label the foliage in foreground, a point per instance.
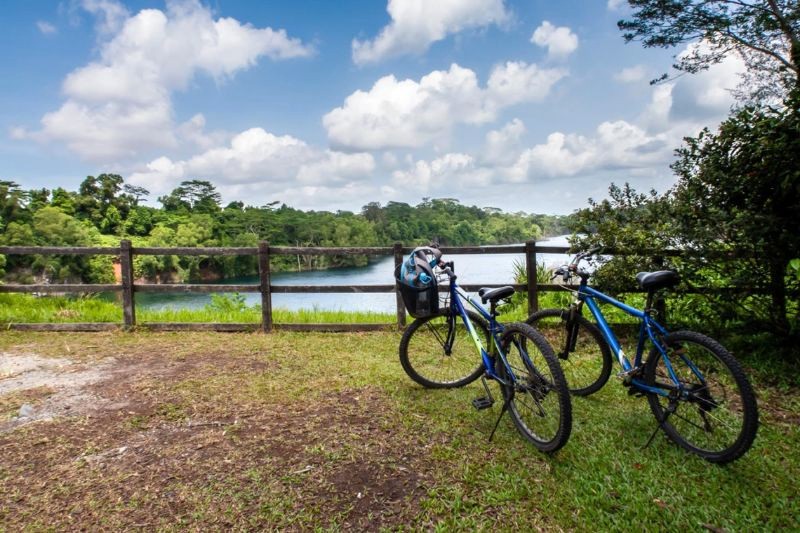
(734, 213)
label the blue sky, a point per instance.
(522, 105)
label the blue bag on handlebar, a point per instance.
(417, 281)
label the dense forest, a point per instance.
(105, 209)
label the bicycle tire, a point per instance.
(588, 366)
(423, 356)
(725, 406)
(539, 402)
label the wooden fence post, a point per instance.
(126, 272)
(401, 308)
(266, 295)
(530, 271)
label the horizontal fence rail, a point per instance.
(128, 287)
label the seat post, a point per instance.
(648, 306)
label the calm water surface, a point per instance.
(471, 269)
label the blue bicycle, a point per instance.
(697, 391)
(438, 350)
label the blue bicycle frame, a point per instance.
(649, 329)
(457, 294)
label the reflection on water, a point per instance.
(471, 269)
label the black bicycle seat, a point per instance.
(492, 295)
(657, 280)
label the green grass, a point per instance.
(18, 308)
(602, 480)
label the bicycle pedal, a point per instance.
(635, 392)
(482, 403)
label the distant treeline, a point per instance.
(105, 209)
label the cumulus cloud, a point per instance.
(635, 148)
(110, 15)
(408, 114)
(120, 105)
(442, 173)
(256, 156)
(502, 146)
(632, 74)
(46, 28)
(559, 41)
(416, 24)
(614, 5)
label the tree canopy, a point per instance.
(764, 33)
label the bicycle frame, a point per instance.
(649, 329)
(457, 296)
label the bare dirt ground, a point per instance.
(132, 437)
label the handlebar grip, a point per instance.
(450, 273)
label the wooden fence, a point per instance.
(129, 288)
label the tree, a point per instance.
(135, 193)
(734, 209)
(739, 190)
(764, 33)
(195, 195)
(12, 203)
(96, 195)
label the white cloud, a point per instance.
(416, 24)
(559, 41)
(632, 74)
(615, 145)
(614, 5)
(502, 146)
(120, 105)
(445, 172)
(407, 114)
(256, 156)
(110, 15)
(46, 28)
(637, 149)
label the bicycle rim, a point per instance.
(539, 406)
(718, 418)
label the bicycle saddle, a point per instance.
(492, 295)
(657, 280)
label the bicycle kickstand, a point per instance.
(671, 409)
(502, 412)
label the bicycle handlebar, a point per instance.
(566, 271)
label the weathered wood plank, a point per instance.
(215, 250)
(194, 287)
(530, 272)
(302, 289)
(199, 326)
(58, 250)
(512, 249)
(126, 271)
(334, 327)
(66, 326)
(327, 250)
(264, 286)
(399, 304)
(62, 288)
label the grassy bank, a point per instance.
(302, 431)
(16, 308)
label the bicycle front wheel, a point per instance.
(587, 362)
(713, 413)
(535, 388)
(438, 352)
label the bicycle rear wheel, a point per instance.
(717, 418)
(537, 395)
(427, 358)
(587, 365)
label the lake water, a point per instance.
(471, 269)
